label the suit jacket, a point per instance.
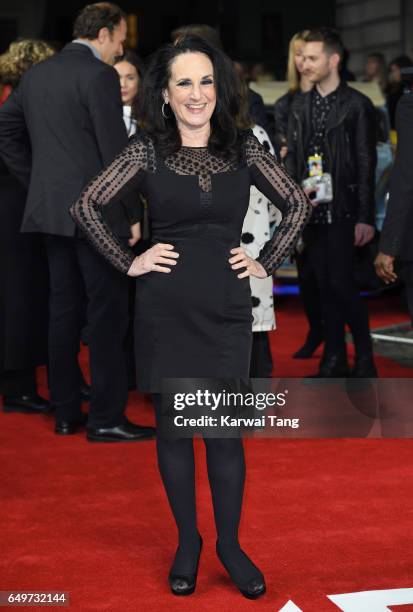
(60, 128)
(397, 233)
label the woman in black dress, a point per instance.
(193, 299)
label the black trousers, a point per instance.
(331, 255)
(310, 295)
(18, 382)
(84, 287)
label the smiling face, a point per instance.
(129, 81)
(191, 90)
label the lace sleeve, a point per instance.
(274, 182)
(124, 173)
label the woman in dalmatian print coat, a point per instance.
(260, 222)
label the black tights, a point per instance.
(226, 473)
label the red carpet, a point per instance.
(321, 517)
(292, 328)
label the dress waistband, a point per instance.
(211, 231)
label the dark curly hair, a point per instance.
(225, 138)
(94, 17)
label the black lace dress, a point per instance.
(194, 322)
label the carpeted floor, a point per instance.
(321, 516)
(292, 328)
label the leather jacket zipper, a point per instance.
(328, 149)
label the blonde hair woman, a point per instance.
(20, 56)
(295, 60)
(298, 86)
(298, 83)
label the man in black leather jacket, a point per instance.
(336, 123)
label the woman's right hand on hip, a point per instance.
(154, 259)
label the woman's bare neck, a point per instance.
(195, 137)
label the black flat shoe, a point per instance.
(185, 584)
(68, 428)
(125, 432)
(27, 404)
(253, 588)
(138, 428)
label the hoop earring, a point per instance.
(163, 111)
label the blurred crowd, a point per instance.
(306, 106)
(387, 74)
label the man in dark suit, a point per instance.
(58, 130)
(397, 235)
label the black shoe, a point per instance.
(185, 584)
(28, 404)
(253, 588)
(334, 366)
(125, 432)
(85, 392)
(67, 428)
(138, 428)
(309, 347)
(364, 367)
